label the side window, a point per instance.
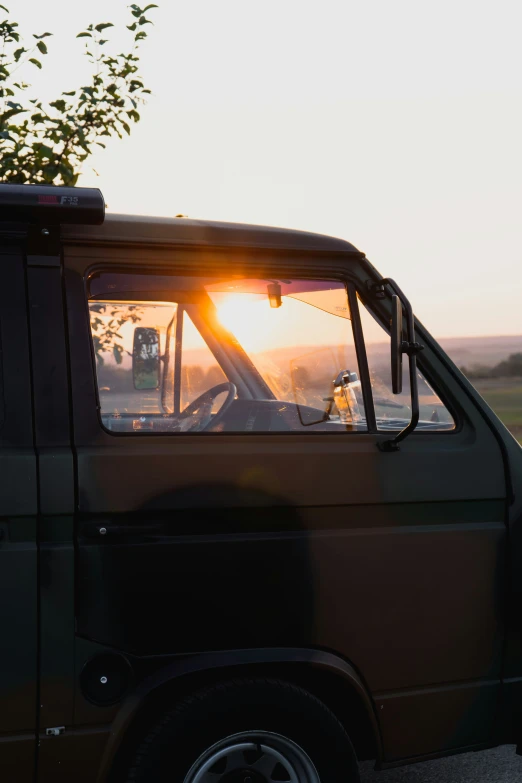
(113, 325)
(231, 354)
(393, 411)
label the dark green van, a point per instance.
(240, 542)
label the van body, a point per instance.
(202, 484)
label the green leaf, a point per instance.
(44, 35)
(133, 114)
(35, 62)
(42, 47)
(4, 9)
(60, 105)
(73, 92)
(103, 41)
(144, 20)
(66, 171)
(103, 26)
(126, 126)
(84, 35)
(18, 53)
(45, 152)
(132, 26)
(139, 36)
(147, 7)
(8, 114)
(13, 105)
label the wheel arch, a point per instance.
(327, 676)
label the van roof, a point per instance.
(139, 229)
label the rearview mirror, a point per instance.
(396, 345)
(146, 358)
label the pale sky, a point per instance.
(395, 125)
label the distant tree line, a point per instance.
(509, 368)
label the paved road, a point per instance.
(500, 765)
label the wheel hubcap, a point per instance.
(243, 776)
(253, 757)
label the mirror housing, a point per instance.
(146, 358)
(396, 345)
(274, 294)
(409, 346)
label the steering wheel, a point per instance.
(201, 408)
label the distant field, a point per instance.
(504, 395)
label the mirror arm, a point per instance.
(411, 348)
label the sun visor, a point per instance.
(333, 301)
(326, 295)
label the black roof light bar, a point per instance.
(51, 204)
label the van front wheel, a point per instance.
(248, 731)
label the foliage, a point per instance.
(106, 322)
(509, 368)
(48, 143)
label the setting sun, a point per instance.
(259, 327)
(250, 319)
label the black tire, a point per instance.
(207, 717)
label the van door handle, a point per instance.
(101, 530)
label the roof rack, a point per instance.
(51, 204)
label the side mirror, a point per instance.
(146, 358)
(396, 345)
(409, 346)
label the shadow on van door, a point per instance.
(205, 567)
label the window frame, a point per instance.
(354, 290)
